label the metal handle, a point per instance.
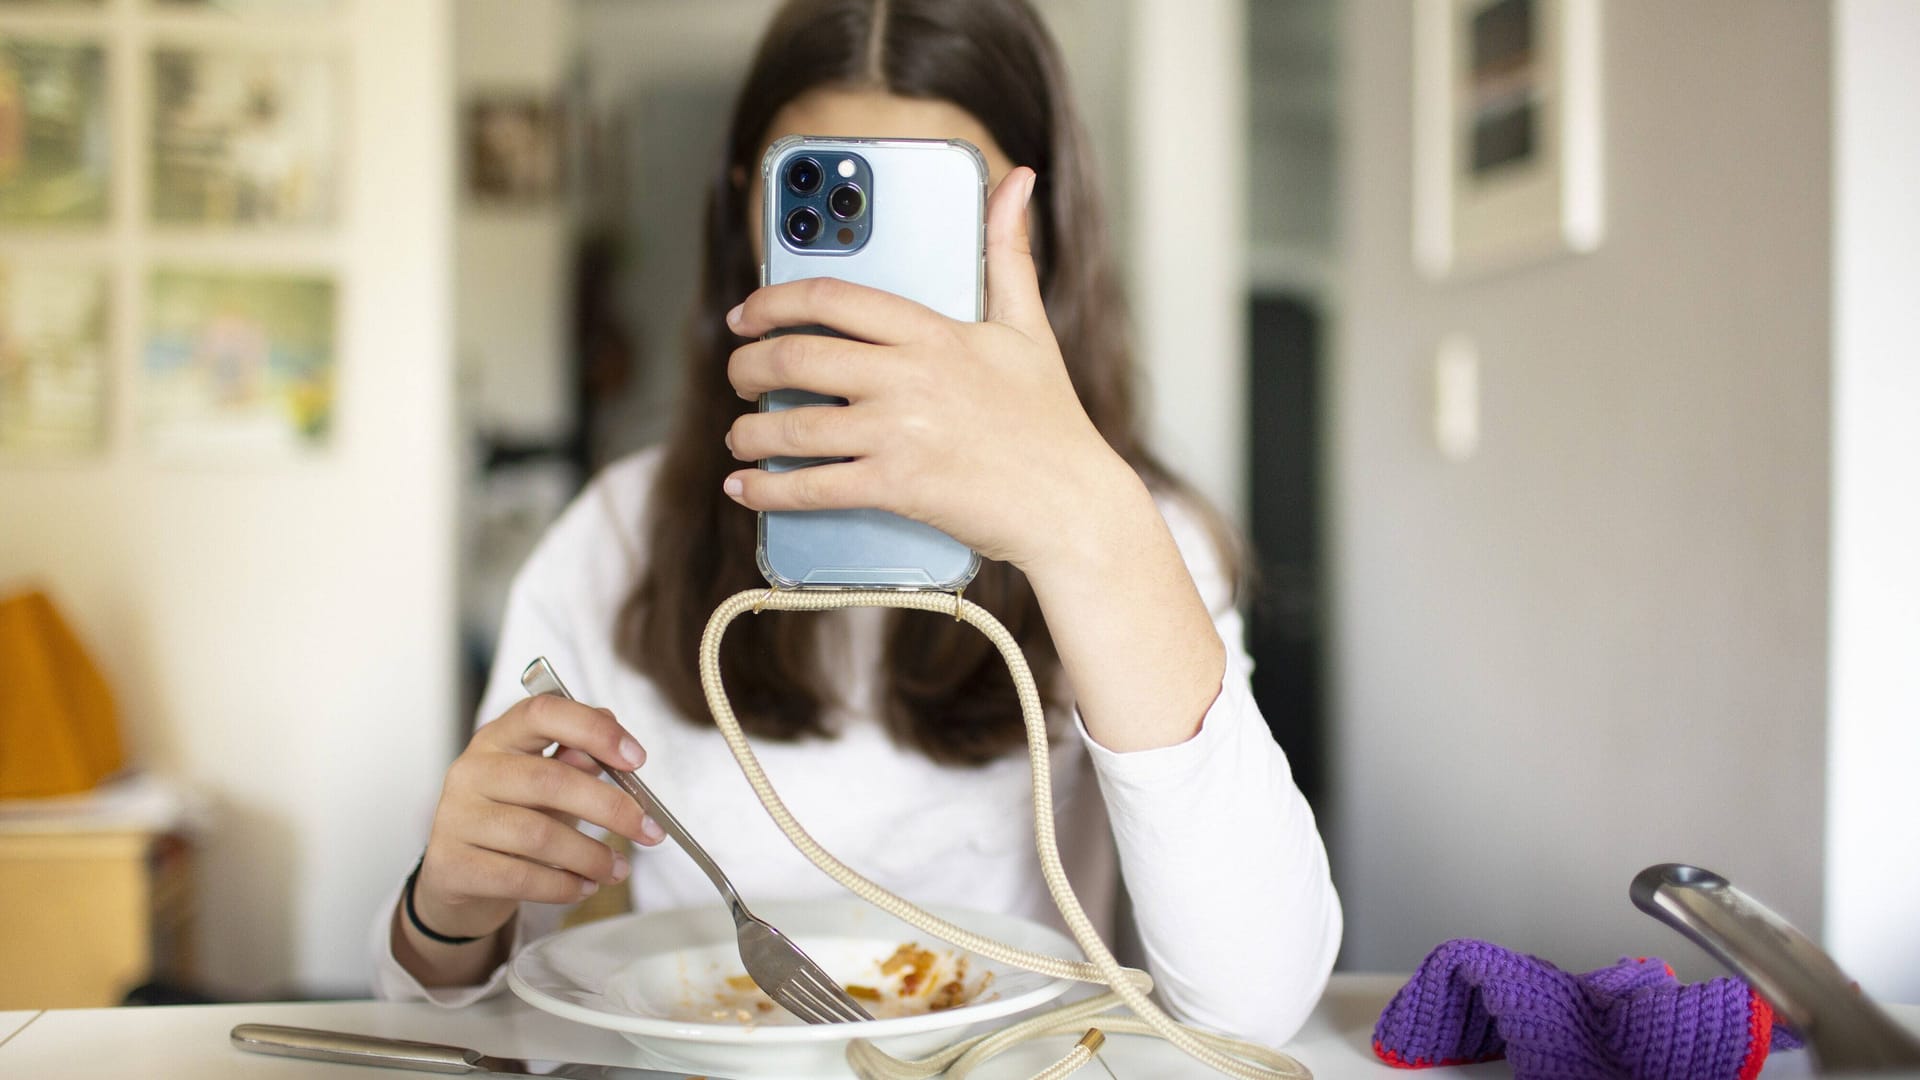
(1843, 1028)
(347, 1048)
(540, 678)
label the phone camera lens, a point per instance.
(846, 201)
(803, 226)
(803, 175)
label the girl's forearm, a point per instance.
(1136, 641)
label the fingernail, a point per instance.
(1027, 196)
(588, 888)
(728, 439)
(733, 317)
(620, 868)
(651, 829)
(734, 487)
(630, 753)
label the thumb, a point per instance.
(1013, 286)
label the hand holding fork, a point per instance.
(773, 961)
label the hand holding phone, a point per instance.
(971, 426)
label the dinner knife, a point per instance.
(351, 1049)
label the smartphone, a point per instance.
(907, 216)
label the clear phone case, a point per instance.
(921, 235)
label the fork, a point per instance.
(773, 961)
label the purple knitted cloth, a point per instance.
(1474, 1001)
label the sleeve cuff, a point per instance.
(1172, 766)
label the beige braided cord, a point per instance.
(1128, 986)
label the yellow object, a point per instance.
(58, 730)
(87, 915)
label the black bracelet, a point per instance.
(406, 901)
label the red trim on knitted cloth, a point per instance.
(1759, 1035)
(1663, 963)
(1393, 1058)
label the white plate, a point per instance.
(640, 975)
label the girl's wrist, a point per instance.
(1103, 516)
(472, 919)
(436, 964)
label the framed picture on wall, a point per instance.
(237, 361)
(54, 134)
(1507, 133)
(513, 149)
(244, 137)
(53, 358)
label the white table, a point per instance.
(13, 1020)
(191, 1041)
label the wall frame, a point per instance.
(1507, 133)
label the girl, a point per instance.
(895, 736)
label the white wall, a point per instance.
(1601, 642)
(280, 633)
(1186, 236)
(1873, 755)
(512, 262)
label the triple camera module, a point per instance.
(824, 203)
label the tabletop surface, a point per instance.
(13, 1020)
(191, 1041)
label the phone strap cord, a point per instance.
(1126, 986)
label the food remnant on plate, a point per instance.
(920, 976)
(913, 964)
(954, 993)
(911, 982)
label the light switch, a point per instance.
(1456, 397)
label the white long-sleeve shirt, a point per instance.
(1219, 852)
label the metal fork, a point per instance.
(773, 961)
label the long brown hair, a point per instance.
(946, 690)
